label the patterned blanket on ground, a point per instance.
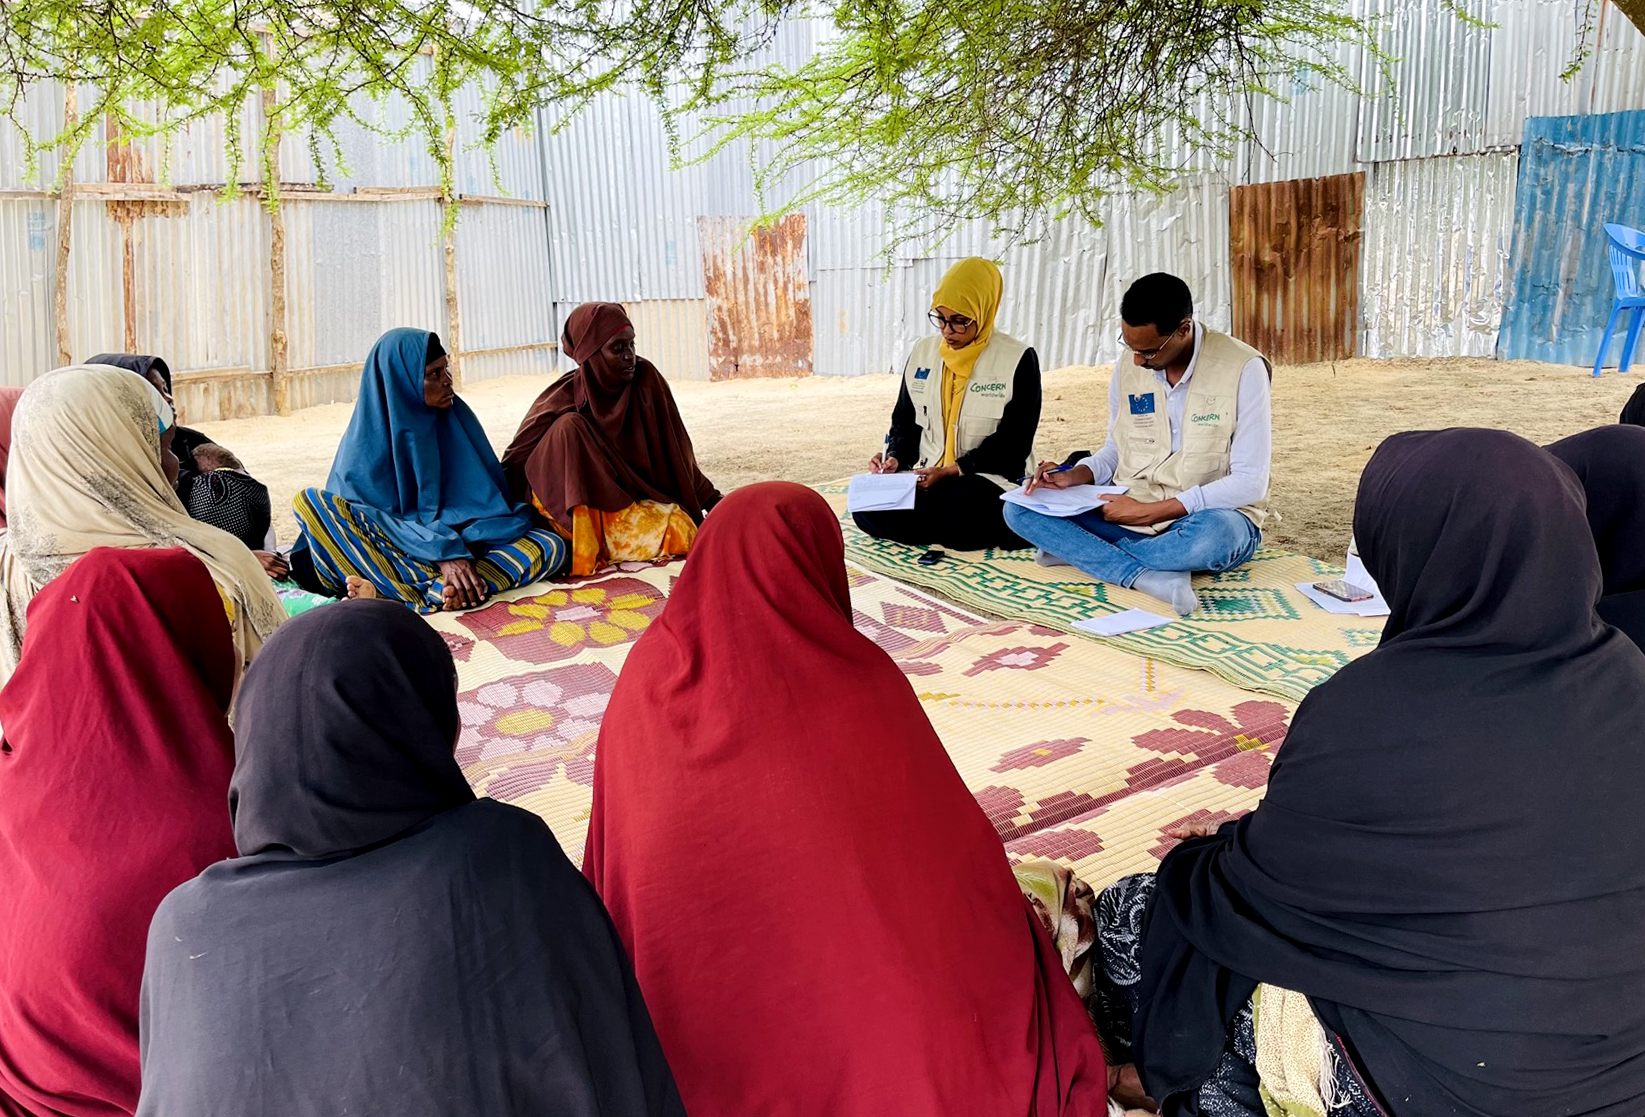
(1076, 750)
(1252, 627)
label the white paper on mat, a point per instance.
(1062, 502)
(1375, 607)
(881, 492)
(1118, 624)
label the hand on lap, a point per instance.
(929, 476)
(273, 565)
(464, 589)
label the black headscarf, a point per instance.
(386, 943)
(1633, 412)
(1447, 861)
(334, 756)
(1610, 463)
(139, 363)
(185, 440)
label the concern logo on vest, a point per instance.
(1208, 417)
(988, 388)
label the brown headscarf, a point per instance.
(626, 442)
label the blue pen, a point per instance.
(1049, 472)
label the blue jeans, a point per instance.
(1216, 539)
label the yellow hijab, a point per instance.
(971, 287)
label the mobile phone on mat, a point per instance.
(1342, 590)
(933, 556)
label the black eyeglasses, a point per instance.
(958, 322)
(1150, 354)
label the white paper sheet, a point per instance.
(1118, 624)
(1062, 502)
(881, 492)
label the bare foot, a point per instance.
(453, 600)
(359, 589)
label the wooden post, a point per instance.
(65, 231)
(454, 318)
(278, 354)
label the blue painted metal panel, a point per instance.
(1575, 174)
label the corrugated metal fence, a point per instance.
(1577, 173)
(255, 307)
(1414, 260)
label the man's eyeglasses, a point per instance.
(1150, 354)
(957, 322)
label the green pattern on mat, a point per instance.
(1252, 628)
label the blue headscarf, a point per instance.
(427, 477)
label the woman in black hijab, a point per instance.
(212, 484)
(384, 943)
(1633, 412)
(1446, 864)
(1610, 463)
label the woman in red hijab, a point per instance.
(603, 455)
(821, 917)
(114, 775)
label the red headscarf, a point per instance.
(114, 779)
(8, 404)
(821, 917)
(627, 442)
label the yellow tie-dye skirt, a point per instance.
(645, 531)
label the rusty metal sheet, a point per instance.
(759, 298)
(1294, 251)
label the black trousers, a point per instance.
(963, 513)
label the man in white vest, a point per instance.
(1190, 436)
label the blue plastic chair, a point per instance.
(1627, 252)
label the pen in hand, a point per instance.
(1033, 482)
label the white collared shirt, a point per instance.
(1249, 454)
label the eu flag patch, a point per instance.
(1143, 404)
(922, 373)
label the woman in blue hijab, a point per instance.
(416, 508)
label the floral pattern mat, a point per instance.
(1252, 627)
(1076, 750)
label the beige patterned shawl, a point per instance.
(85, 472)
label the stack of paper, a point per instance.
(1062, 502)
(881, 492)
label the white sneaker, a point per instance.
(1046, 558)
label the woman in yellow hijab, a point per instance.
(964, 421)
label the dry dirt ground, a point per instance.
(1327, 420)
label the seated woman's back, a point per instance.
(114, 778)
(823, 919)
(1444, 862)
(385, 942)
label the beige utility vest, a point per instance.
(982, 406)
(1143, 427)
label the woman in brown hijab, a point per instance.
(603, 455)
